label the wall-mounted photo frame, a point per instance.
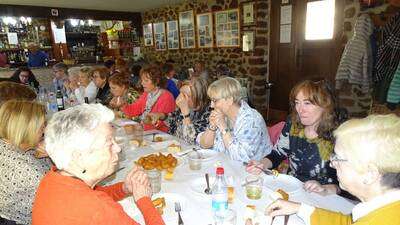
(248, 41)
(186, 29)
(248, 14)
(159, 36)
(148, 34)
(227, 27)
(172, 35)
(204, 30)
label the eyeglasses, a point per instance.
(335, 158)
(213, 100)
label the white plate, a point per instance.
(285, 182)
(180, 160)
(130, 208)
(123, 122)
(165, 137)
(206, 154)
(199, 184)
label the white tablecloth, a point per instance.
(197, 208)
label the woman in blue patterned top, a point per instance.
(235, 128)
(306, 139)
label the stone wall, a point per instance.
(350, 96)
(252, 65)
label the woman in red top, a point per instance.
(155, 103)
(80, 142)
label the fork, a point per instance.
(266, 171)
(178, 210)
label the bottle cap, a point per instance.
(220, 171)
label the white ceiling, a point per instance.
(110, 5)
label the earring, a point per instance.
(84, 171)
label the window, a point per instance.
(320, 20)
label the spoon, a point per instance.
(208, 189)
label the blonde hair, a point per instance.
(21, 121)
(227, 87)
(87, 70)
(374, 139)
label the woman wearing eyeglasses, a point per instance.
(306, 139)
(234, 128)
(367, 155)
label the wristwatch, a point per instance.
(224, 131)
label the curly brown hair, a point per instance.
(153, 72)
(319, 93)
(103, 72)
(120, 79)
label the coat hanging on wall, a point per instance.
(356, 63)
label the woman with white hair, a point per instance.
(367, 156)
(80, 142)
(235, 128)
(87, 88)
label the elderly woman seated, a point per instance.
(80, 142)
(153, 106)
(22, 123)
(193, 110)
(87, 88)
(367, 155)
(235, 128)
(121, 92)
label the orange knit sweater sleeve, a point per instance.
(115, 191)
(325, 217)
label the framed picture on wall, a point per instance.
(172, 34)
(186, 29)
(148, 34)
(227, 28)
(159, 36)
(248, 13)
(205, 30)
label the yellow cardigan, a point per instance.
(386, 215)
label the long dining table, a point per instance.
(187, 185)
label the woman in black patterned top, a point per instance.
(193, 110)
(306, 139)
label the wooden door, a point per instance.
(300, 58)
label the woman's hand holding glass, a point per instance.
(117, 102)
(137, 184)
(254, 167)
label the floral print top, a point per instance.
(250, 139)
(308, 158)
(188, 132)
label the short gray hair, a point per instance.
(74, 71)
(72, 131)
(227, 87)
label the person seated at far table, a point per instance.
(235, 128)
(86, 88)
(153, 106)
(24, 75)
(121, 92)
(22, 125)
(37, 57)
(306, 139)
(193, 110)
(172, 85)
(100, 79)
(81, 144)
(366, 157)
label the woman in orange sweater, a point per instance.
(81, 144)
(367, 156)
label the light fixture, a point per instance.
(90, 22)
(29, 20)
(81, 22)
(74, 22)
(22, 19)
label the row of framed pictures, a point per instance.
(182, 34)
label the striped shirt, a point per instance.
(356, 62)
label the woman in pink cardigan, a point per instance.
(155, 103)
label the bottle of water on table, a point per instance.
(219, 192)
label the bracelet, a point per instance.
(212, 128)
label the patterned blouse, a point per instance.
(308, 158)
(188, 132)
(20, 174)
(250, 139)
(130, 97)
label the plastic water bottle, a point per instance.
(219, 195)
(52, 104)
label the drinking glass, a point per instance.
(194, 161)
(254, 187)
(155, 180)
(225, 217)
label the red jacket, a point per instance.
(63, 200)
(165, 104)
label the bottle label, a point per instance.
(60, 102)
